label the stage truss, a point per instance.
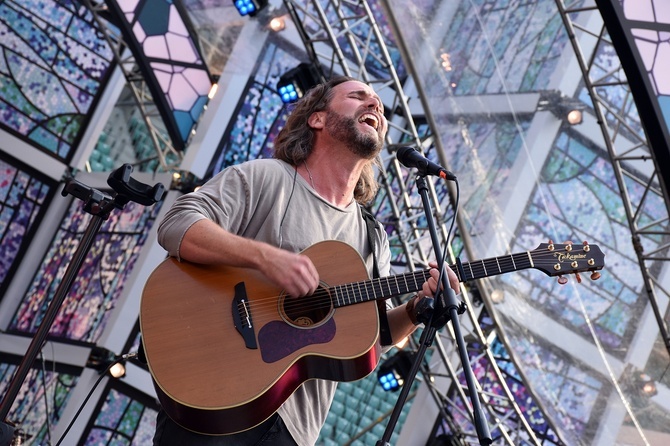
(345, 38)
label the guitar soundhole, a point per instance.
(308, 311)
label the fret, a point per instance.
(530, 258)
(498, 263)
(361, 293)
(340, 295)
(337, 297)
(513, 262)
(370, 287)
(484, 266)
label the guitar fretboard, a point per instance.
(385, 287)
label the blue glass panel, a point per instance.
(124, 417)
(101, 278)
(578, 185)
(54, 62)
(29, 409)
(23, 194)
(260, 115)
(498, 46)
(161, 38)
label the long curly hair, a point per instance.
(295, 141)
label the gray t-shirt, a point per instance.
(267, 200)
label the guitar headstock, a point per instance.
(560, 259)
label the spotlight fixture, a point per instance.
(645, 385)
(293, 84)
(185, 181)
(277, 24)
(569, 110)
(249, 7)
(105, 361)
(393, 371)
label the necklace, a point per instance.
(311, 180)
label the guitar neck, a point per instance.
(385, 287)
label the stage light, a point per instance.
(105, 361)
(277, 24)
(288, 93)
(118, 370)
(393, 372)
(646, 386)
(569, 110)
(185, 181)
(574, 117)
(249, 7)
(293, 84)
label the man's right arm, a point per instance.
(207, 242)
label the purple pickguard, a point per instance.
(277, 339)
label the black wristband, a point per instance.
(411, 312)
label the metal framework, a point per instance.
(343, 37)
(169, 158)
(632, 166)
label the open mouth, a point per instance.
(370, 120)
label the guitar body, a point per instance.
(210, 378)
(226, 348)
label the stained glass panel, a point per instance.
(649, 23)
(124, 417)
(260, 115)
(54, 62)
(23, 196)
(44, 392)
(523, 55)
(484, 373)
(161, 38)
(578, 184)
(101, 278)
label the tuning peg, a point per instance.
(595, 275)
(562, 280)
(550, 247)
(578, 277)
(587, 248)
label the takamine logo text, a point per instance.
(568, 257)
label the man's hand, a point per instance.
(430, 286)
(294, 273)
(421, 306)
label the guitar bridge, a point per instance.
(242, 316)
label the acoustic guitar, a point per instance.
(226, 348)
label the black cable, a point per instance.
(46, 399)
(90, 393)
(445, 250)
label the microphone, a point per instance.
(410, 157)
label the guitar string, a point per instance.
(322, 297)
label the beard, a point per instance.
(345, 129)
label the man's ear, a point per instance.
(317, 120)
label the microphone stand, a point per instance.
(444, 310)
(100, 206)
